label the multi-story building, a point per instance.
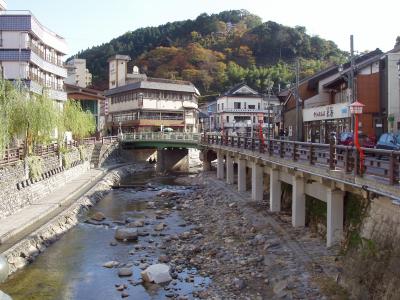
(324, 100)
(78, 74)
(137, 103)
(3, 5)
(32, 53)
(390, 89)
(241, 108)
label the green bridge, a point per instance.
(161, 140)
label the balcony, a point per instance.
(54, 91)
(54, 60)
(48, 66)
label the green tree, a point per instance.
(74, 119)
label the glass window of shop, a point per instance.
(320, 131)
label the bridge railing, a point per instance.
(381, 164)
(160, 136)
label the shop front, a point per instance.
(321, 121)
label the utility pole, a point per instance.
(351, 79)
(297, 99)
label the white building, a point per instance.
(32, 53)
(136, 102)
(242, 108)
(78, 74)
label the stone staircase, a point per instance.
(94, 161)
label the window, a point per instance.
(252, 107)
(218, 106)
(258, 106)
(254, 119)
(227, 119)
(222, 106)
(245, 104)
(236, 105)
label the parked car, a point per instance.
(389, 141)
(346, 138)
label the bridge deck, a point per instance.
(378, 171)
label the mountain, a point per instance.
(218, 50)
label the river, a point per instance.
(72, 268)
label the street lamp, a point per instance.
(356, 109)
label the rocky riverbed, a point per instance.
(214, 243)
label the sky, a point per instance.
(87, 23)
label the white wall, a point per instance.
(15, 40)
(15, 69)
(48, 37)
(229, 103)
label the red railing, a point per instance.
(379, 164)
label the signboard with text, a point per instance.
(326, 112)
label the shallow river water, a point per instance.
(72, 268)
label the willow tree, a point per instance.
(81, 123)
(10, 95)
(34, 118)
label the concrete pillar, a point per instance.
(206, 165)
(275, 191)
(242, 175)
(229, 170)
(257, 185)
(334, 216)
(172, 160)
(298, 202)
(220, 165)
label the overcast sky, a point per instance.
(86, 23)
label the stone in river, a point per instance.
(124, 272)
(110, 264)
(124, 295)
(98, 216)
(160, 227)
(157, 273)
(128, 234)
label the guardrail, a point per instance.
(159, 136)
(381, 164)
(12, 155)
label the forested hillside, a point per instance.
(216, 51)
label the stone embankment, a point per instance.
(26, 250)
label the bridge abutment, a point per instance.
(173, 160)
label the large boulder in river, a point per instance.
(157, 273)
(126, 234)
(4, 296)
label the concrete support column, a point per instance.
(275, 191)
(257, 184)
(206, 165)
(220, 165)
(242, 175)
(334, 216)
(298, 202)
(229, 170)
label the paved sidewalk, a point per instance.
(30, 218)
